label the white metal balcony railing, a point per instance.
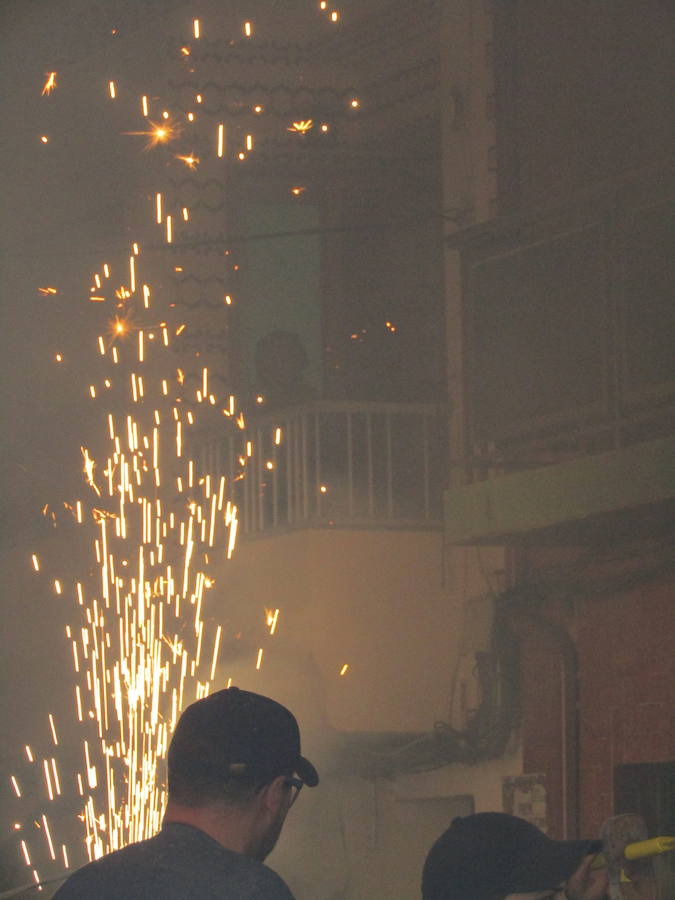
(335, 464)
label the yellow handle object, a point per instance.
(652, 847)
(640, 849)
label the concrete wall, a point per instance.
(371, 599)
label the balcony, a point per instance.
(331, 464)
(569, 374)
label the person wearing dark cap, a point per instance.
(495, 856)
(234, 770)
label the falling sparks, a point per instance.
(140, 643)
(344, 669)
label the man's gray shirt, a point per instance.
(179, 863)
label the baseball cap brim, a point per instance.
(307, 772)
(553, 864)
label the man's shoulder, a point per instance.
(177, 863)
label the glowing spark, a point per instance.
(257, 109)
(272, 619)
(89, 466)
(50, 83)
(248, 29)
(29, 754)
(48, 836)
(196, 28)
(144, 106)
(119, 326)
(259, 660)
(355, 103)
(249, 142)
(324, 127)
(344, 669)
(15, 785)
(112, 89)
(335, 16)
(36, 563)
(302, 126)
(191, 161)
(53, 730)
(58, 358)
(48, 290)
(159, 133)
(297, 190)
(216, 647)
(221, 141)
(158, 205)
(44, 139)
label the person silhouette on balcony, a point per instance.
(280, 364)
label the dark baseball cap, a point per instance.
(235, 733)
(488, 854)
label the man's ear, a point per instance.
(275, 793)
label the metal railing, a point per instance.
(335, 464)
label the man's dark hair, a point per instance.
(195, 791)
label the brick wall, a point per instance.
(626, 646)
(625, 640)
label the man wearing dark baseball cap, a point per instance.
(235, 769)
(495, 856)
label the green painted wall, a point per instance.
(281, 281)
